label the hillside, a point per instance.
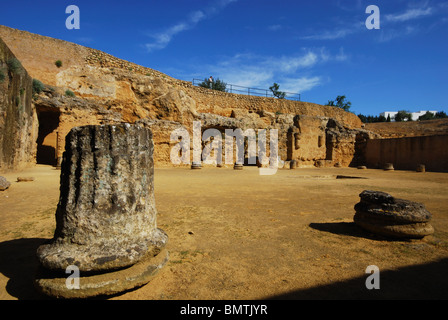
(409, 129)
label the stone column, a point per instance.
(238, 166)
(421, 168)
(106, 215)
(388, 167)
(380, 213)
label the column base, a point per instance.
(103, 284)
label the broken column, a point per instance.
(238, 166)
(421, 168)
(106, 215)
(382, 214)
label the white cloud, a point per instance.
(162, 39)
(290, 64)
(330, 35)
(275, 27)
(344, 31)
(256, 71)
(248, 77)
(301, 84)
(341, 56)
(337, 32)
(390, 34)
(197, 16)
(409, 14)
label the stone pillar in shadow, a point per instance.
(106, 216)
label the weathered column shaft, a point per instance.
(106, 215)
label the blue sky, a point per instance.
(318, 48)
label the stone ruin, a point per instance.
(109, 89)
(4, 184)
(382, 214)
(106, 215)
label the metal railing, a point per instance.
(233, 88)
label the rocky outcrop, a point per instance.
(18, 119)
(380, 213)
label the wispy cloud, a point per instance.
(275, 27)
(392, 33)
(292, 63)
(301, 84)
(336, 32)
(409, 14)
(330, 35)
(294, 73)
(402, 24)
(162, 39)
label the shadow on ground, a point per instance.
(426, 281)
(349, 229)
(18, 262)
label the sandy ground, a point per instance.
(238, 235)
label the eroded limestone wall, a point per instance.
(105, 85)
(408, 153)
(90, 73)
(18, 120)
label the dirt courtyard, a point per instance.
(239, 235)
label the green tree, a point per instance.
(363, 118)
(340, 103)
(58, 63)
(276, 92)
(215, 84)
(403, 115)
(371, 119)
(440, 115)
(427, 116)
(388, 118)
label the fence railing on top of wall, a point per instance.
(233, 88)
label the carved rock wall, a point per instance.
(18, 119)
(109, 89)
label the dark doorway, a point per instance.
(47, 137)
